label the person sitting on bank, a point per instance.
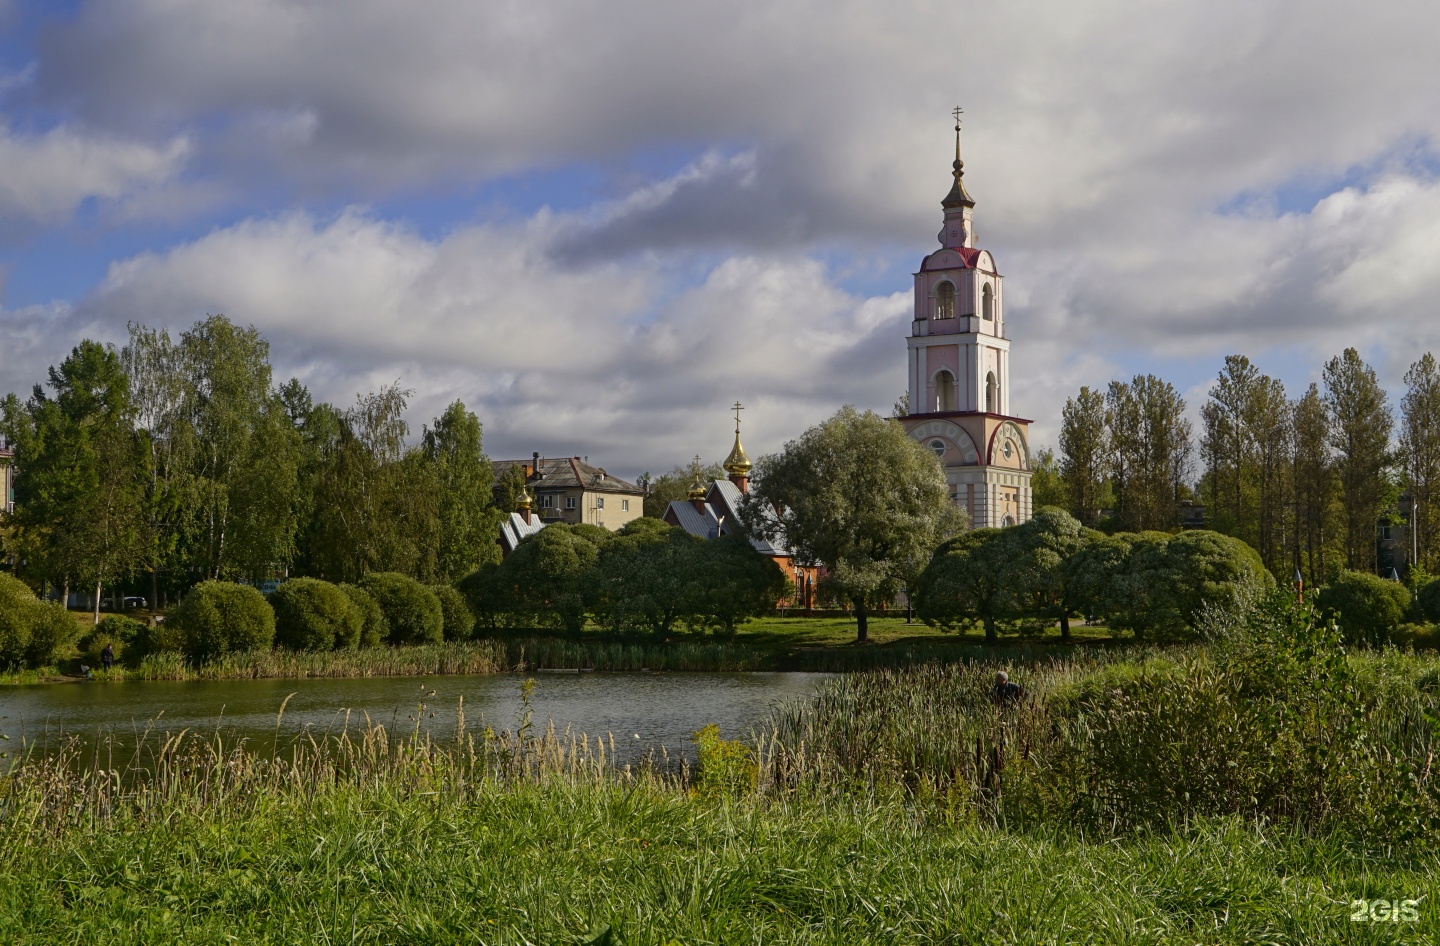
(1006, 692)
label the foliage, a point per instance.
(116, 630)
(1367, 607)
(549, 579)
(1149, 451)
(734, 584)
(311, 614)
(1428, 601)
(31, 631)
(457, 618)
(1360, 423)
(222, 617)
(1419, 454)
(857, 495)
(725, 766)
(969, 580)
(466, 518)
(648, 574)
(412, 612)
(373, 626)
(1084, 454)
(1173, 578)
(1045, 583)
(78, 513)
(1047, 487)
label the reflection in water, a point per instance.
(642, 711)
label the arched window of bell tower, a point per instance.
(944, 391)
(945, 301)
(991, 393)
(987, 302)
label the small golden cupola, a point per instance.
(737, 464)
(697, 488)
(522, 504)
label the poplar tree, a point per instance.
(1149, 451)
(1228, 448)
(1314, 485)
(1420, 454)
(1360, 423)
(1084, 446)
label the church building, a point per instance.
(959, 371)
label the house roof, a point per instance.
(514, 529)
(721, 517)
(570, 473)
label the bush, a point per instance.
(221, 617)
(51, 628)
(1429, 601)
(459, 619)
(373, 626)
(1367, 607)
(121, 633)
(31, 631)
(311, 614)
(411, 610)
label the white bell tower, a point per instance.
(959, 370)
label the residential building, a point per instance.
(568, 490)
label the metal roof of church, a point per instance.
(515, 528)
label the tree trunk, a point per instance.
(154, 589)
(97, 600)
(991, 637)
(862, 622)
(1064, 624)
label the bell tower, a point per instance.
(959, 370)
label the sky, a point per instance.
(599, 223)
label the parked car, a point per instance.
(133, 601)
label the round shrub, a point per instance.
(459, 620)
(311, 614)
(120, 632)
(16, 601)
(373, 627)
(411, 610)
(1429, 601)
(1367, 607)
(51, 628)
(221, 617)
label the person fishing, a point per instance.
(1005, 692)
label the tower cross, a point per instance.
(738, 409)
(957, 113)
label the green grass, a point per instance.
(560, 864)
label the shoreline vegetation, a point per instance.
(769, 644)
(1248, 789)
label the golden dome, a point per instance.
(697, 488)
(523, 500)
(737, 463)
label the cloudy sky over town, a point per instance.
(600, 222)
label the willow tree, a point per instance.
(858, 496)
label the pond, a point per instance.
(642, 711)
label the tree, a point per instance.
(1169, 579)
(675, 485)
(1047, 488)
(857, 495)
(1084, 449)
(649, 573)
(970, 579)
(1228, 447)
(242, 451)
(1360, 425)
(735, 583)
(1149, 451)
(79, 513)
(549, 578)
(1314, 484)
(1046, 583)
(467, 518)
(1420, 454)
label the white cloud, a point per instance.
(44, 177)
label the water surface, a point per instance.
(643, 711)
